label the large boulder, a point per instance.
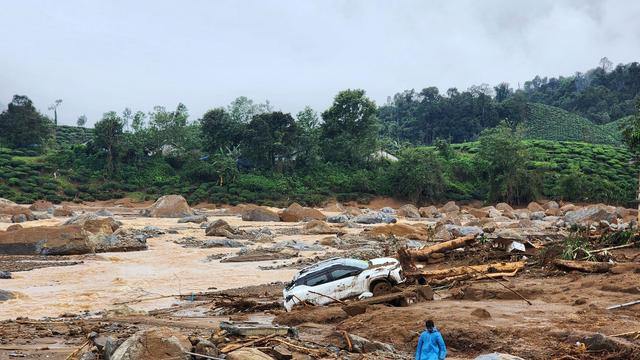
(41, 205)
(450, 207)
(551, 205)
(153, 344)
(333, 206)
(589, 214)
(62, 211)
(534, 207)
(429, 211)
(6, 202)
(409, 211)
(479, 213)
(248, 354)
(46, 240)
(316, 227)
(295, 212)
(16, 210)
(169, 206)
(504, 207)
(374, 218)
(197, 219)
(220, 228)
(412, 232)
(94, 224)
(260, 214)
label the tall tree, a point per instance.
(56, 104)
(309, 125)
(243, 109)
(108, 134)
(168, 128)
(22, 125)
(349, 131)
(219, 130)
(631, 136)
(271, 140)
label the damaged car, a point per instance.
(341, 278)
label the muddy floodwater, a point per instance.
(105, 281)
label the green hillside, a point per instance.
(72, 135)
(551, 123)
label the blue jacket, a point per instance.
(431, 346)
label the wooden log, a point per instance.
(464, 270)
(232, 347)
(423, 254)
(584, 266)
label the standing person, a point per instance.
(431, 345)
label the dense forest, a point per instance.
(488, 143)
(601, 95)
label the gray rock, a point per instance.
(88, 356)
(588, 214)
(5, 275)
(537, 215)
(198, 219)
(374, 218)
(228, 243)
(43, 216)
(110, 347)
(300, 246)
(5, 295)
(414, 244)
(339, 219)
(104, 212)
(458, 231)
(19, 218)
(388, 210)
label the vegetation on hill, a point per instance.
(552, 123)
(482, 143)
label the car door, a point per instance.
(344, 279)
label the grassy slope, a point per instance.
(71, 135)
(551, 123)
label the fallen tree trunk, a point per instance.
(584, 266)
(429, 275)
(423, 254)
(472, 276)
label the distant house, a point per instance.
(382, 155)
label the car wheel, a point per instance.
(381, 288)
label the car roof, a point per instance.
(331, 262)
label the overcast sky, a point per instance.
(108, 55)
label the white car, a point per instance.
(341, 278)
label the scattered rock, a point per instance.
(152, 344)
(481, 313)
(5, 275)
(6, 202)
(197, 219)
(14, 227)
(339, 219)
(260, 214)
(534, 206)
(315, 227)
(94, 224)
(567, 207)
(388, 210)
(45, 240)
(169, 206)
(104, 212)
(62, 211)
(413, 232)
(409, 211)
(478, 213)
(19, 218)
(450, 207)
(220, 228)
(504, 207)
(429, 212)
(248, 354)
(333, 206)
(41, 205)
(551, 205)
(43, 216)
(374, 218)
(553, 212)
(589, 214)
(295, 212)
(459, 231)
